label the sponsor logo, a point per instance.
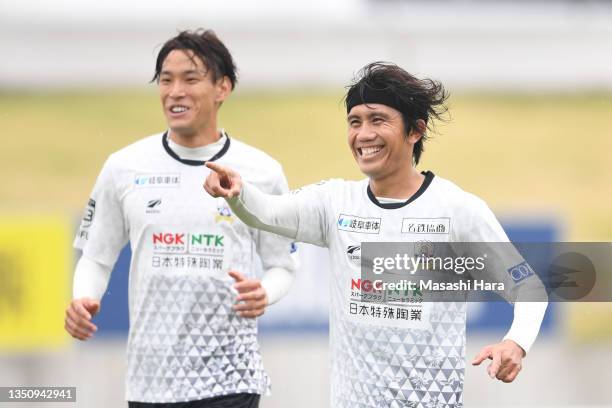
(520, 272)
(207, 240)
(362, 225)
(423, 248)
(175, 242)
(426, 226)
(153, 206)
(353, 254)
(158, 180)
(364, 285)
(90, 212)
(169, 238)
(293, 248)
(223, 212)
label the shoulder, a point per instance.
(333, 186)
(249, 157)
(450, 193)
(140, 150)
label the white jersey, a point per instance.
(185, 341)
(382, 355)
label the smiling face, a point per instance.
(377, 138)
(189, 94)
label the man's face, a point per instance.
(189, 96)
(377, 138)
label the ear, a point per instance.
(224, 89)
(417, 133)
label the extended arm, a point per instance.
(301, 216)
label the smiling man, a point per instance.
(382, 356)
(193, 294)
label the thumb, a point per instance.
(483, 355)
(92, 306)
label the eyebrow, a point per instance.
(186, 72)
(368, 115)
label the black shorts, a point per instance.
(223, 401)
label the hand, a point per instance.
(78, 318)
(252, 298)
(222, 181)
(507, 357)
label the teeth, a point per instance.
(369, 151)
(178, 109)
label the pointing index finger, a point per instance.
(483, 355)
(216, 167)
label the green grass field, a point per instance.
(531, 155)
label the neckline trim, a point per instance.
(429, 176)
(190, 162)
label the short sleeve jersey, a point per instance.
(383, 355)
(185, 341)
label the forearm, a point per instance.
(272, 213)
(90, 279)
(277, 282)
(525, 327)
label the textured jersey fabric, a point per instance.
(384, 354)
(185, 342)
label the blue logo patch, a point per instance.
(520, 272)
(293, 248)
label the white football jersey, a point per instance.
(185, 341)
(384, 355)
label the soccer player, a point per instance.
(193, 294)
(380, 359)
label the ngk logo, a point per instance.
(168, 238)
(365, 285)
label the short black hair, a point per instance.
(207, 47)
(414, 98)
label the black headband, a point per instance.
(367, 95)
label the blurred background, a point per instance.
(530, 132)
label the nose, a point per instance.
(366, 133)
(177, 90)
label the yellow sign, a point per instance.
(35, 274)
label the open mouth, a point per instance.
(178, 109)
(369, 151)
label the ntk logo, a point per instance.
(176, 243)
(207, 239)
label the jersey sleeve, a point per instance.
(103, 233)
(485, 235)
(275, 250)
(314, 212)
(300, 215)
(522, 286)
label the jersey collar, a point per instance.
(391, 206)
(189, 162)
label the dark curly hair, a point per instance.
(414, 98)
